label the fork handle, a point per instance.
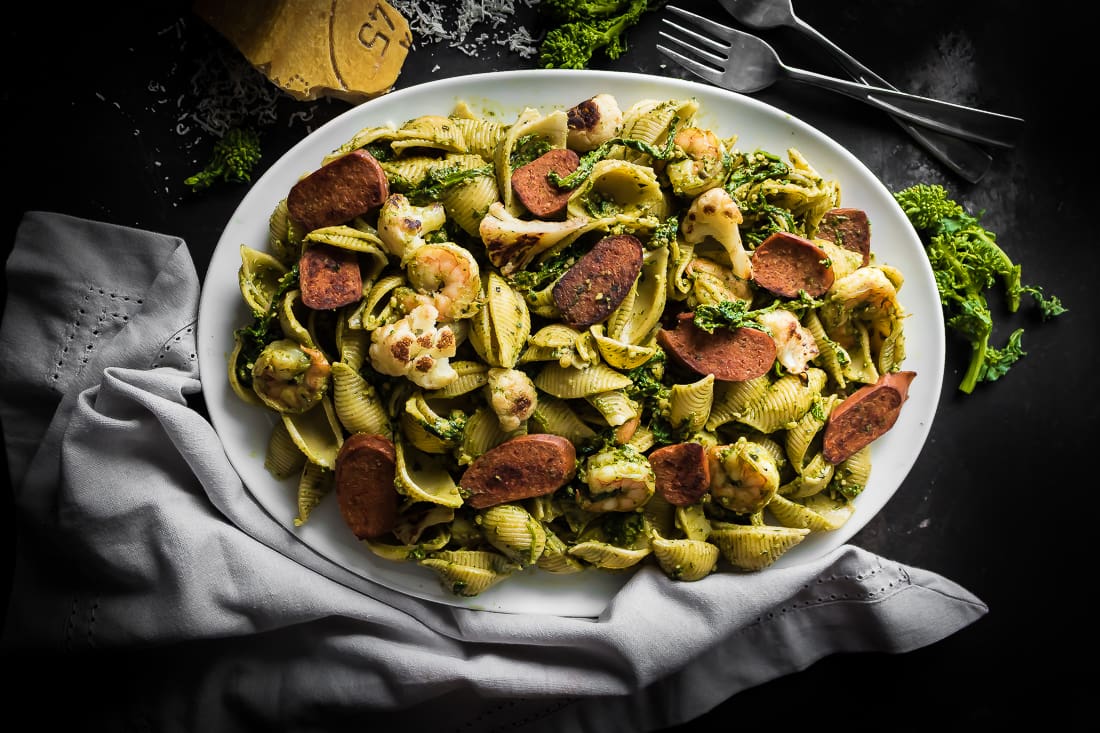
(977, 125)
(966, 159)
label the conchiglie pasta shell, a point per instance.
(483, 432)
(471, 375)
(814, 477)
(352, 344)
(692, 522)
(290, 314)
(690, 404)
(469, 573)
(283, 458)
(362, 138)
(421, 477)
(376, 308)
(555, 416)
(806, 428)
(258, 277)
(618, 354)
(751, 547)
(615, 407)
(634, 189)
(786, 400)
(317, 433)
(514, 532)
(555, 557)
(851, 475)
(499, 330)
(438, 538)
(482, 136)
(284, 239)
(835, 512)
(245, 392)
(357, 404)
(732, 399)
(467, 202)
(572, 383)
(607, 556)
(832, 356)
(429, 131)
(686, 560)
(313, 486)
(660, 515)
(652, 121)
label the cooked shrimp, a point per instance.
(743, 476)
(414, 347)
(619, 480)
(867, 295)
(447, 277)
(289, 377)
(704, 166)
(512, 396)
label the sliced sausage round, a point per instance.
(682, 472)
(784, 264)
(537, 192)
(599, 281)
(329, 277)
(865, 415)
(519, 468)
(365, 468)
(731, 355)
(349, 186)
(847, 228)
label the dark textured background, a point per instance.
(95, 104)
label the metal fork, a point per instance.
(748, 64)
(963, 157)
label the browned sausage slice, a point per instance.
(848, 228)
(785, 263)
(682, 472)
(731, 355)
(329, 277)
(535, 191)
(365, 469)
(519, 468)
(349, 186)
(595, 286)
(865, 415)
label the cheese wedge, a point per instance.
(348, 49)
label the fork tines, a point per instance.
(715, 63)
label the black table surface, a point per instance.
(104, 117)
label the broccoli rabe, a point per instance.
(582, 27)
(234, 156)
(967, 262)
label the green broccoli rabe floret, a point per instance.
(581, 28)
(233, 158)
(967, 262)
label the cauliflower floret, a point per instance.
(593, 122)
(795, 346)
(512, 396)
(714, 213)
(415, 348)
(402, 226)
(512, 242)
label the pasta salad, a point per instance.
(585, 338)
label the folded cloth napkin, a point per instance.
(136, 536)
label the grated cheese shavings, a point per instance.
(461, 25)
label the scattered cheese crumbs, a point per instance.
(455, 23)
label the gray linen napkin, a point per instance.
(136, 534)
